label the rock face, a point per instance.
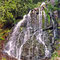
(4, 56)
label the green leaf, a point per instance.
(1, 38)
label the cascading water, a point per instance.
(26, 37)
(39, 37)
(31, 34)
(10, 46)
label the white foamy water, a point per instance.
(12, 40)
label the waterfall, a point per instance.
(39, 37)
(31, 32)
(26, 37)
(10, 46)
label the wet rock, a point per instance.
(5, 56)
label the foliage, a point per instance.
(11, 10)
(54, 55)
(48, 16)
(5, 11)
(53, 7)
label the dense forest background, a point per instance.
(12, 11)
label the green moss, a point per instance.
(21, 28)
(3, 58)
(54, 55)
(58, 27)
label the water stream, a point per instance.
(30, 33)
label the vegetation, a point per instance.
(10, 10)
